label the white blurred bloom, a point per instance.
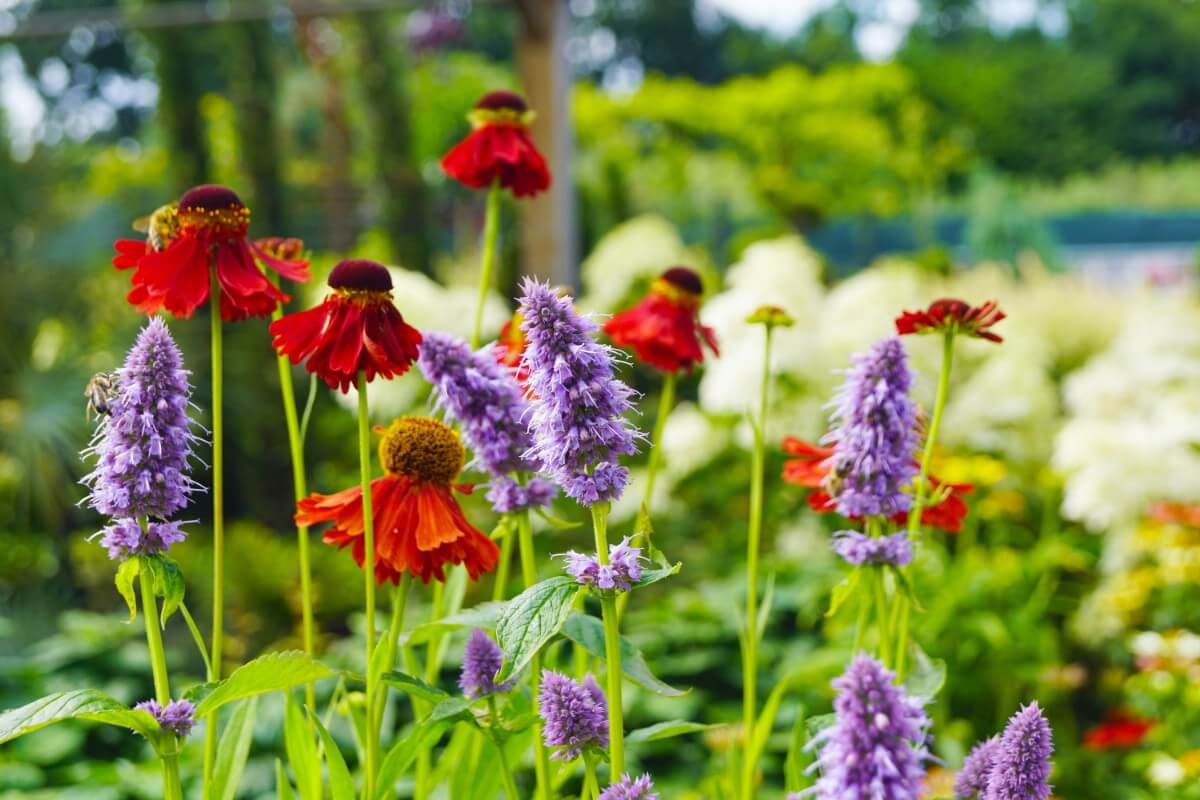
(639, 249)
(1165, 771)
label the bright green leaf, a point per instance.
(233, 750)
(667, 730)
(414, 687)
(657, 574)
(844, 591)
(301, 750)
(168, 583)
(927, 676)
(483, 615)
(87, 704)
(588, 632)
(425, 735)
(341, 785)
(283, 788)
(269, 673)
(531, 619)
(126, 574)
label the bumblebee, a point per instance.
(100, 392)
(160, 227)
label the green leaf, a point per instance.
(197, 637)
(844, 591)
(414, 687)
(815, 725)
(667, 730)
(655, 575)
(793, 765)
(531, 619)
(233, 751)
(927, 676)
(301, 750)
(453, 709)
(341, 785)
(764, 611)
(126, 574)
(556, 523)
(425, 735)
(168, 583)
(505, 526)
(269, 673)
(588, 632)
(643, 526)
(283, 788)
(766, 717)
(905, 587)
(87, 704)
(483, 615)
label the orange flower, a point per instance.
(949, 313)
(1176, 513)
(664, 329)
(419, 526)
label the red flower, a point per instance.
(810, 469)
(509, 349)
(357, 328)
(185, 241)
(1120, 730)
(419, 526)
(1176, 513)
(499, 148)
(664, 329)
(947, 314)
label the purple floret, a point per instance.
(630, 789)
(623, 569)
(177, 718)
(972, 780)
(579, 431)
(861, 550)
(1021, 763)
(482, 659)
(507, 495)
(574, 716)
(125, 538)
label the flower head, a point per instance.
(482, 659)
(624, 567)
(949, 314)
(143, 447)
(1021, 765)
(356, 329)
(579, 432)
(1119, 730)
(499, 148)
(178, 717)
(508, 495)
(125, 538)
(205, 230)
(771, 316)
(630, 789)
(664, 329)
(875, 749)
(419, 526)
(875, 434)
(861, 550)
(574, 716)
(972, 778)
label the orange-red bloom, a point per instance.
(1120, 730)
(419, 526)
(499, 148)
(509, 349)
(948, 313)
(356, 329)
(810, 469)
(1176, 513)
(206, 229)
(664, 329)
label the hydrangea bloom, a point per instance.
(178, 717)
(630, 789)
(972, 779)
(859, 549)
(574, 716)
(125, 538)
(623, 569)
(484, 397)
(1021, 764)
(875, 749)
(578, 429)
(482, 659)
(876, 433)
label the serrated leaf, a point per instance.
(667, 730)
(126, 574)
(588, 632)
(269, 673)
(341, 785)
(483, 615)
(87, 704)
(927, 676)
(404, 752)
(531, 619)
(414, 687)
(301, 750)
(168, 583)
(233, 750)
(657, 574)
(844, 591)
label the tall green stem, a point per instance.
(395, 627)
(364, 462)
(218, 496)
(612, 650)
(510, 784)
(541, 761)
(754, 535)
(432, 668)
(491, 230)
(666, 401)
(162, 687)
(500, 587)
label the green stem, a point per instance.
(491, 229)
(499, 588)
(881, 609)
(218, 496)
(395, 627)
(541, 761)
(612, 650)
(666, 402)
(590, 787)
(172, 789)
(754, 535)
(860, 628)
(364, 461)
(510, 785)
(432, 668)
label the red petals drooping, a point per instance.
(357, 328)
(499, 148)
(664, 329)
(949, 313)
(205, 230)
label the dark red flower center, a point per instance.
(360, 275)
(685, 278)
(210, 197)
(503, 100)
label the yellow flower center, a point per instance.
(421, 448)
(482, 117)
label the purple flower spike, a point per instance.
(579, 432)
(178, 717)
(972, 779)
(859, 549)
(574, 716)
(142, 450)
(482, 659)
(1021, 764)
(875, 433)
(876, 748)
(472, 388)
(624, 567)
(125, 538)
(630, 789)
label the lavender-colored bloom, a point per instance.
(125, 538)
(623, 569)
(579, 433)
(630, 789)
(876, 748)
(482, 659)
(859, 549)
(142, 450)
(1021, 764)
(507, 495)
(178, 717)
(972, 779)
(875, 433)
(574, 716)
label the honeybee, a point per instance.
(160, 227)
(100, 392)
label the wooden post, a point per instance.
(548, 232)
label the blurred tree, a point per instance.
(255, 87)
(181, 83)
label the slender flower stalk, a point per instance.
(487, 259)
(218, 495)
(162, 687)
(541, 761)
(395, 628)
(666, 402)
(364, 462)
(612, 648)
